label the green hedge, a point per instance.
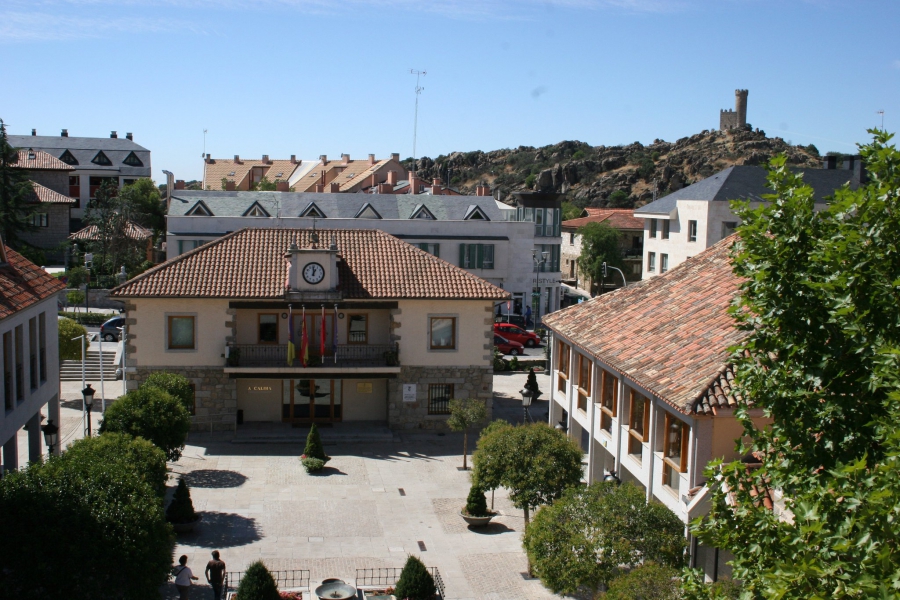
(93, 319)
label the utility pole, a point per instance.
(881, 112)
(419, 90)
(204, 143)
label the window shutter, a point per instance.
(462, 256)
(480, 250)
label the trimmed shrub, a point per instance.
(314, 447)
(152, 414)
(312, 464)
(181, 509)
(415, 582)
(649, 581)
(176, 385)
(258, 584)
(70, 349)
(476, 504)
(532, 384)
(146, 460)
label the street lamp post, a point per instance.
(538, 263)
(527, 397)
(51, 435)
(88, 395)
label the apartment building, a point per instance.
(29, 353)
(52, 214)
(631, 243)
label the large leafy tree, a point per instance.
(599, 244)
(110, 211)
(593, 534)
(15, 195)
(87, 524)
(821, 303)
(143, 199)
(153, 414)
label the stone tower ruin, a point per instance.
(734, 119)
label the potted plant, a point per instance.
(314, 457)
(391, 359)
(234, 357)
(180, 512)
(415, 582)
(476, 512)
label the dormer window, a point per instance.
(68, 158)
(367, 212)
(475, 214)
(31, 154)
(102, 160)
(313, 211)
(132, 160)
(199, 210)
(422, 212)
(256, 210)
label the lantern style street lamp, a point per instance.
(51, 435)
(88, 395)
(527, 397)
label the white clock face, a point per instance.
(313, 273)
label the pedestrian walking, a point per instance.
(183, 577)
(527, 317)
(215, 574)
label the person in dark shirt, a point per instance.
(215, 574)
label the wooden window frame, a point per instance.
(431, 345)
(169, 345)
(450, 390)
(365, 333)
(584, 393)
(259, 339)
(609, 408)
(563, 364)
(668, 462)
(637, 438)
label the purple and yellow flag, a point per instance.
(292, 349)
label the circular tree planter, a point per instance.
(186, 527)
(477, 521)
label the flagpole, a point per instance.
(334, 339)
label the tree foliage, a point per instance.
(599, 244)
(314, 448)
(476, 503)
(125, 451)
(143, 203)
(649, 581)
(820, 300)
(536, 463)
(593, 534)
(464, 413)
(181, 508)
(177, 385)
(415, 582)
(15, 193)
(69, 348)
(83, 525)
(110, 211)
(153, 414)
(257, 584)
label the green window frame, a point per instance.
(476, 256)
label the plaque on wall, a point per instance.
(364, 388)
(409, 392)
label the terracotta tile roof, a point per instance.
(348, 173)
(23, 283)
(41, 161)
(44, 195)
(620, 218)
(218, 168)
(670, 333)
(132, 230)
(250, 264)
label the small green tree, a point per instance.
(476, 503)
(415, 582)
(145, 205)
(16, 192)
(125, 451)
(178, 386)
(531, 385)
(649, 581)
(464, 413)
(152, 414)
(592, 534)
(264, 185)
(314, 448)
(599, 244)
(69, 345)
(181, 509)
(257, 584)
(619, 199)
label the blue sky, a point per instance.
(311, 77)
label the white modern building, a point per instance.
(688, 221)
(29, 353)
(516, 248)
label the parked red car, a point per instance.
(515, 333)
(508, 346)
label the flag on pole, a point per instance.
(304, 341)
(292, 349)
(322, 336)
(334, 334)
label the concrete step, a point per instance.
(331, 436)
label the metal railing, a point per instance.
(348, 355)
(286, 580)
(388, 576)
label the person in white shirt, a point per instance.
(183, 577)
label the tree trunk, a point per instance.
(528, 558)
(492, 499)
(465, 448)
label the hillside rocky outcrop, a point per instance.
(613, 176)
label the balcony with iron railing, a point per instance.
(243, 357)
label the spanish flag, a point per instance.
(292, 349)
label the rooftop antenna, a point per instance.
(419, 90)
(204, 143)
(881, 112)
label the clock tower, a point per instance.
(312, 271)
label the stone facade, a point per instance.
(737, 118)
(51, 237)
(468, 382)
(215, 397)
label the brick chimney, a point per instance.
(65, 133)
(179, 184)
(385, 188)
(207, 159)
(334, 187)
(829, 162)
(345, 159)
(436, 189)
(265, 159)
(129, 136)
(34, 132)
(237, 159)
(113, 135)
(320, 188)
(323, 159)
(395, 156)
(371, 159)
(282, 186)
(293, 159)
(414, 183)
(230, 186)
(392, 177)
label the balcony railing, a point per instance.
(348, 355)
